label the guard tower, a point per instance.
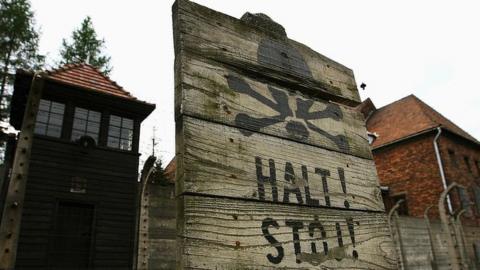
(79, 209)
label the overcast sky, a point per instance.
(427, 48)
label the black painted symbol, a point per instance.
(314, 227)
(269, 222)
(311, 230)
(351, 231)
(297, 129)
(341, 175)
(324, 173)
(295, 225)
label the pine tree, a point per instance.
(18, 47)
(158, 175)
(85, 48)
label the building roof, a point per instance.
(82, 77)
(407, 117)
(87, 77)
(170, 170)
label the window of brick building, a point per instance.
(467, 163)
(453, 159)
(464, 199)
(476, 194)
(477, 163)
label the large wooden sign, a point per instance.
(213, 92)
(274, 170)
(220, 160)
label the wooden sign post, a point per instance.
(274, 170)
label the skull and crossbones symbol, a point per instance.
(297, 129)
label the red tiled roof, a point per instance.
(170, 170)
(406, 117)
(88, 77)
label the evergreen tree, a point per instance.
(158, 175)
(18, 47)
(85, 48)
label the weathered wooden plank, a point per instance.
(220, 160)
(216, 93)
(220, 233)
(254, 48)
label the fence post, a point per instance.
(433, 261)
(460, 236)
(452, 247)
(398, 242)
(13, 207)
(141, 236)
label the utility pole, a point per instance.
(154, 143)
(12, 212)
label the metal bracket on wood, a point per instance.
(433, 261)
(452, 247)
(12, 213)
(397, 242)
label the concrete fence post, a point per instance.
(453, 252)
(396, 235)
(433, 261)
(460, 236)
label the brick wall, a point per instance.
(455, 155)
(410, 167)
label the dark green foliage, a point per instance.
(18, 46)
(85, 47)
(158, 175)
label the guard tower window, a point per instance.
(120, 133)
(50, 118)
(86, 122)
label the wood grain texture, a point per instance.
(15, 196)
(219, 160)
(214, 92)
(217, 233)
(225, 39)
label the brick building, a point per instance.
(403, 136)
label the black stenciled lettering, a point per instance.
(290, 178)
(351, 231)
(308, 197)
(339, 234)
(295, 225)
(341, 175)
(324, 173)
(261, 179)
(267, 222)
(316, 225)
